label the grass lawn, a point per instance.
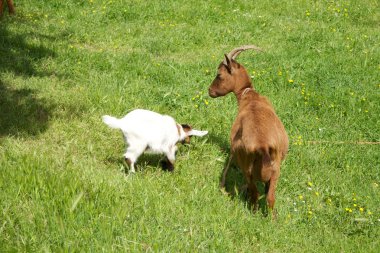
(64, 64)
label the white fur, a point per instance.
(149, 131)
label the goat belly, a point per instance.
(153, 149)
(160, 145)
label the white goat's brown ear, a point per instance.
(186, 127)
(198, 133)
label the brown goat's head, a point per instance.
(231, 76)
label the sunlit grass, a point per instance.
(63, 64)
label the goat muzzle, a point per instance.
(212, 93)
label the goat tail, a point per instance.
(111, 121)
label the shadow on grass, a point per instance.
(21, 112)
(235, 182)
(17, 54)
(146, 159)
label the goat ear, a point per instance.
(186, 126)
(227, 63)
(198, 133)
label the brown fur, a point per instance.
(186, 128)
(258, 138)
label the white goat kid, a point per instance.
(149, 131)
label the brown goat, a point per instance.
(11, 7)
(258, 138)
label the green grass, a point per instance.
(63, 64)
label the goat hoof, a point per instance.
(273, 214)
(129, 172)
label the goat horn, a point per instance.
(235, 52)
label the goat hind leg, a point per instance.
(1, 7)
(131, 156)
(271, 193)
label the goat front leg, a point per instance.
(225, 171)
(130, 165)
(253, 194)
(170, 155)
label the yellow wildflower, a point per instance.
(349, 210)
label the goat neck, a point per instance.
(245, 96)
